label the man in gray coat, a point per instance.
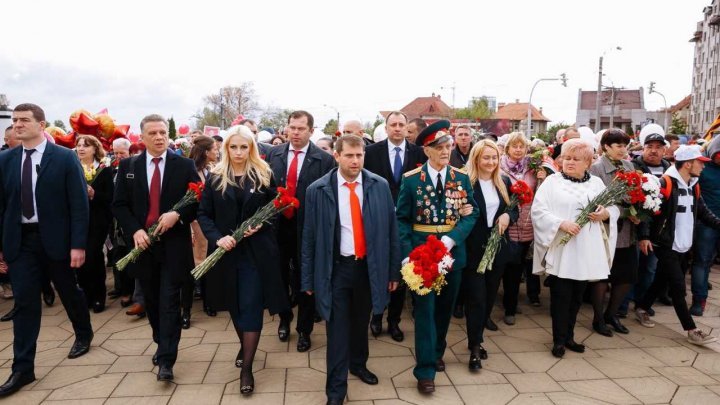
(350, 259)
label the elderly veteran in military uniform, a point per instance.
(430, 202)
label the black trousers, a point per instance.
(291, 277)
(347, 340)
(187, 293)
(565, 300)
(124, 284)
(27, 273)
(162, 305)
(513, 274)
(670, 273)
(479, 292)
(91, 275)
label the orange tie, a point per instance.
(357, 222)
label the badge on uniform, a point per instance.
(130, 176)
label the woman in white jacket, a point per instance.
(587, 256)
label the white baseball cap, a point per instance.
(690, 152)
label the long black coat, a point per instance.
(100, 214)
(218, 217)
(130, 207)
(377, 160)
(480, 233)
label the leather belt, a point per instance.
(433, 228)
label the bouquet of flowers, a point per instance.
(623, 186)
(645, 197)
(521, 194)
(541, 160)
(192, 196)
(92, 173)
(280, 203)
(424, 271)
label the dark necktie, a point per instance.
(397, 166)
(439, 186)
(26, 195)
(154, 201)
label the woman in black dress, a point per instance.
(247, 279)
(91, 276)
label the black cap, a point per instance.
(433, 134)
(654, 138)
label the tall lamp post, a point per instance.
(599, 89)
(652, 90)
(562, 77)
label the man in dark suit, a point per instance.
(389, 159)
(40, 180)
(296, 165)
(144, 189)
(349, 212)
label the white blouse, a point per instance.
(588, 255)
(492, 201)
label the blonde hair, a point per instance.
(578, 146)
(256, 169)
(473, 169)
(516, 137)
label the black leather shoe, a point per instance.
(376, 326)
(210, 312)
(475, 363)
(615, 323)
(186, 320)
(155, 359)
(239, 359)
(440, 365)
(575, 347)
(284, 330)
(602, 328)
(97, 307)
(304, 342)
(490, 325)
(247, 384)
(365, 376)
(558, 351)
(395, 333)
(16, 381)
(334, 401)
(10, 315)
(483, 353)
(165, 373)
(49, 297)
(80, 347)
(113, 294)
(459, 312)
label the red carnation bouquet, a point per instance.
(192, 196)
(280, 203)
(644, 194)
(425, 269)
(521, 194)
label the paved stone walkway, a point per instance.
(647, 366)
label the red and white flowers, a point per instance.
(425, 269)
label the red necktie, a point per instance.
(357, 222)
(292, 182)
(154, 201)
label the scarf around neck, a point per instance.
(516, 169)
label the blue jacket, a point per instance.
(320, 240)
(710, 179)
(61, 200)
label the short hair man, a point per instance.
(355, 127)
(568, 133)
(10, 139)
(414, 126)
(672, 143)
(463, 144)
(364, 267)
(40, 180)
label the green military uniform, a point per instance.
(422, 212)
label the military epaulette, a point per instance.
(413, 171)
(463, 171)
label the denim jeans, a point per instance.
(704, 250)
(646, 275)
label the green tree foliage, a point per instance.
(60, 124)
(172, 132)
(678, 126)
(275, 118)
(477, 110)
(553, 130)
(331, 127)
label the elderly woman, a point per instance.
(516, 165)
(623, 273)
(589, 253)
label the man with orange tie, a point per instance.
(295, 165)
(349, 212)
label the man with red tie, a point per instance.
(349, 212)
(295, 165)
(144, 193)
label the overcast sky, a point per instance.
(141, 57)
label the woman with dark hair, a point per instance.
(91, 276)
(623, 273)
(204, 153)
(277, 140)
(247, 278)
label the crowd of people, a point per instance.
(68, 214)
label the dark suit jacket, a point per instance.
(130, 206)
(315, 165)
(480, 233)
(457, 159)
(100, 215)
(377, 160)
(61, 200)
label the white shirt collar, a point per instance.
(392, 146)
(40, 148)
(149, 157)
(433, 173)
(303, 149)
(342, 181)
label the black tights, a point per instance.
(597, 297)
(248, 345)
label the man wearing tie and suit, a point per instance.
(41, 181)
(389, 159)
(296, 165)
(350, 213)
(142, 193)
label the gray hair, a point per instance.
(121, 143)
(152, 118)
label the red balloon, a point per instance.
(133, 137)
(184, 129)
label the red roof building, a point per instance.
(516, 114)
(427, 108)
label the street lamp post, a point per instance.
(599, 89)
(562, 77)
(652, 90)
